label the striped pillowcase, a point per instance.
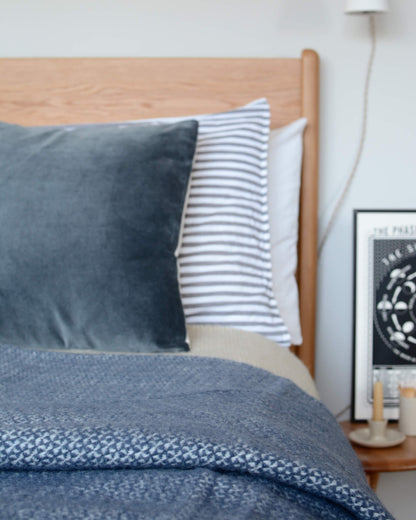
(225, 260)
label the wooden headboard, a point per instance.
(39, 91)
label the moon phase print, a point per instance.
(394, 319)
(384, 307)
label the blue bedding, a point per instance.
(102, 436)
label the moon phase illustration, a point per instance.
(394, 315)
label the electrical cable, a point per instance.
(341, 412)
(361, 142)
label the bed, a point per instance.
(194, 409)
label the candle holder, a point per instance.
(377, 435)
(378, 430)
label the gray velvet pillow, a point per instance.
(89, 223)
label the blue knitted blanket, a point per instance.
(100, 436)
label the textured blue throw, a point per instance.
(168, 437)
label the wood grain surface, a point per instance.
(85, 90)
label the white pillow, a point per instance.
(225, 258)
(285, 164)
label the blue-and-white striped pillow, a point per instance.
(225, 260)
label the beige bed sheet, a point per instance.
(250, 348)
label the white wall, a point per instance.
(386, 177)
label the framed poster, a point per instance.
(384, 307)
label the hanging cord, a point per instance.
(341, 412)
(362, 139)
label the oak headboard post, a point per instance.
(308, 219)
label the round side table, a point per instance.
(379, 460)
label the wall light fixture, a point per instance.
(366, 6)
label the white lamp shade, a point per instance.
(366, 6)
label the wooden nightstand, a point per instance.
(379, 460)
